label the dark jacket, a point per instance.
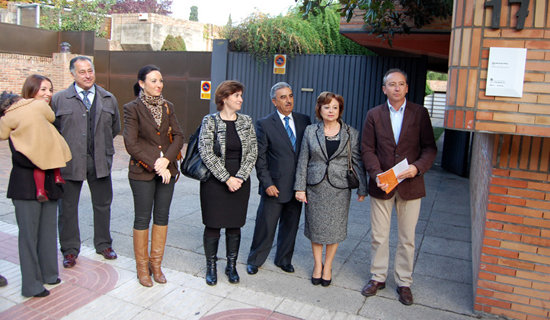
(71, 121)
(21, 185)
(313, 165)
(144, 140)
(276, 164)
(416, 143)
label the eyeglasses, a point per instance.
(396, 84)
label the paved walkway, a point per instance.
(99, 289)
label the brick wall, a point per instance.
(514, 273)
(15, 68)
(468, 106)
(509, 180)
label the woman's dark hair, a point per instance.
(225, 89)
(6, 100)
(142, 74)
(32, 85)
(325, 98)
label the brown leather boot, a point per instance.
(158, 240)
(141, 244)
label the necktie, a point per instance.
(290, 133)
(86, 101)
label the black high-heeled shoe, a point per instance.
(316, 281)
(324, 282)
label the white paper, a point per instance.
(400, 167)
(505, 72)
(397, 169)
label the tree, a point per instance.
(229, 21)
(194, 14)
(76, 15)
(163, 7)
(384, 17)
(263, 36)
(172, 43)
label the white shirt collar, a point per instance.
(79, 89)
(401, 109)
(282, 116)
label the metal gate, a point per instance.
(182, 73)
(357, 78)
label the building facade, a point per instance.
(509, 179)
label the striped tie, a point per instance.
(290, 133)
(86, 101)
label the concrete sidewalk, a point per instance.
(99, 289)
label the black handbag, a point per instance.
(351, 175)
(192, 165)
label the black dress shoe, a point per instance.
(69, 260)
(325, 283)
(315, 281)
(108, 253)
(57, 281)
(251, 269)
(287, 268)
(42, 294)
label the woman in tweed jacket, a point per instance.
(224, 197)
(321, 181)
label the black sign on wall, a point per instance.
(521, 14)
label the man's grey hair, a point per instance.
(79, 58)
(277, 86)
(394, 70)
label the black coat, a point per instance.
(276, 164)
(21, 185)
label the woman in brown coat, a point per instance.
(153, 139)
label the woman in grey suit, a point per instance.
(224, 196)
(321, 181)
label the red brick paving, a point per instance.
(80, 285)
(248, 314)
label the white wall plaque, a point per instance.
(505, 72)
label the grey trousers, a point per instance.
(101, 190)
(37, 244)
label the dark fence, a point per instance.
(182, 73)
(357, 78)
(42, 43)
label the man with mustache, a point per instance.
(87, 117)
(279, 140)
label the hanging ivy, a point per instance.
(263, 36)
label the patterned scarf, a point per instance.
(154, 105)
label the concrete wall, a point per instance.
(149, 34)
(480, 168)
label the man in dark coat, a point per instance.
(279, 139)
(393, 131)
(88, 118)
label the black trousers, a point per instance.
(101, 190)
(151, 197)
(270, 213)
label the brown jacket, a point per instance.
(144, 140)
(416, 143)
